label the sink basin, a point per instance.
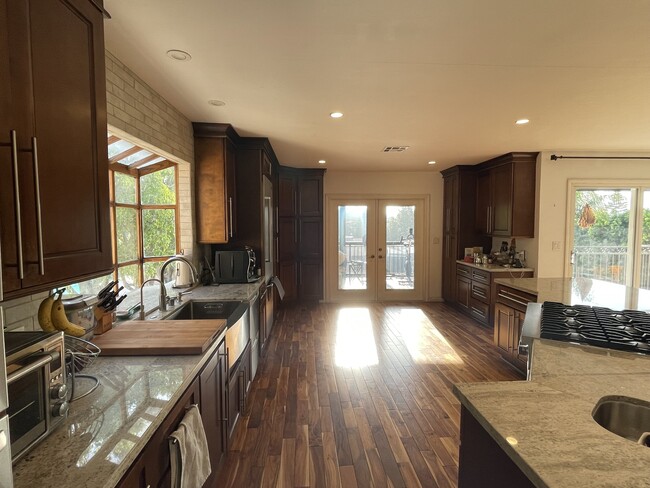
(624, 416)
(230, 310)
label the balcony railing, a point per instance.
(609, 263)
(399, 258)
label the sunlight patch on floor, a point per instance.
(355, 340)
(422, 339)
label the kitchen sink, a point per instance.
(624, 416)
(230, 310)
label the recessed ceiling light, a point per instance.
(336, 115)
(321, 161)
(178, 55)
(432, 162)
(216, 103)
(522, 121)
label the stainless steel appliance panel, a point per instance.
(6, 476)
(268, 226)
(4, 402)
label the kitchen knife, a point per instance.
(106, 289)
(115, 303)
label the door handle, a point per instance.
(19, 226)
(380, 256)
(372, 256)
(230, 226)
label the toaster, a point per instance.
(235, 266)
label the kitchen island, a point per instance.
(107, 430)
(544, 426)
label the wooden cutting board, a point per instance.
(159, 338)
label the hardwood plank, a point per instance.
(286, 472)
(348, 477)
(301, 465)
(332, 476)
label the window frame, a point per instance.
(139, 208)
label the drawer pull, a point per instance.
(514, 298)
(479, 312)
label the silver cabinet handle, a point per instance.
(230, 231)
(39, 220)
(513, 298)
(19, 226)
(25, 370)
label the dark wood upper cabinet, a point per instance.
(215, 158)
(54, 199)
(505, 196)
(287, 195)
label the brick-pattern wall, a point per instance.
(137, 112)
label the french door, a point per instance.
(610, 234)
(375, 249)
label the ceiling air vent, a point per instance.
(395, 148)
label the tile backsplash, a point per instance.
(21, 313)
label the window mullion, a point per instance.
(140, 230)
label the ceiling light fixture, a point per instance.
(522, 121)
(432, 162)
(178, 55)
(216, 103)
(321, 161)
(336, 115)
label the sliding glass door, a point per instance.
(611, 235)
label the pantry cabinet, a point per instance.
(215, 159)
(300, 233)
(54, 200)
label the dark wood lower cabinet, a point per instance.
(482, 462)
(238, 385)
(213, 408)
(463, 291)
(509, 314)
(152, 469)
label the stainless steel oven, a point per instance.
(36, 385)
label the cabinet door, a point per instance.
(270, 310)
(451, 203)
(136, 476)
(310, 196)
(59, 113)
(449, 268)
(210, 182)
(503, 323)
(263, 325)
(310, 236)
(463, 289)
(231, 191)
(288, 274)
(517, 324)
(156, 454)
(501, 213)
(483, 202)
(213, 398)
(287, 195)
(310, 280)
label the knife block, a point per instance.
(104, 323)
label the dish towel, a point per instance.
(188, 450)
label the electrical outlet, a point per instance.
(556, 245)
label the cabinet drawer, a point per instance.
(480, 275)
(514, 298)
(479, 310)
(463, 271)
(481, 292)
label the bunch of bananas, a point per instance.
(51, 316)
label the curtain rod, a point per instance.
(555, 157)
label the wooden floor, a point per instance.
(360, 395)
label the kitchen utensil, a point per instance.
(106, 289)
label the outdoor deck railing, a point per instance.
(399, 257)
(609, 263)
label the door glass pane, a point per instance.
(601, 237)
(645, 243)
(352, 233)
(159, 232)
(127, 234)
(400, 249)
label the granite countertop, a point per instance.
(495, 268)
(582, 291)
(106, 430)
(547, 421)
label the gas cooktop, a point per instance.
(628, 330)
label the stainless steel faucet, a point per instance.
(163, 293)
(163, 296)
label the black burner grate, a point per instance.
(628, 330)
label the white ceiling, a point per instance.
(448, 78)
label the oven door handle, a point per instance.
(29, 368)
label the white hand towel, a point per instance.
(190, 458)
